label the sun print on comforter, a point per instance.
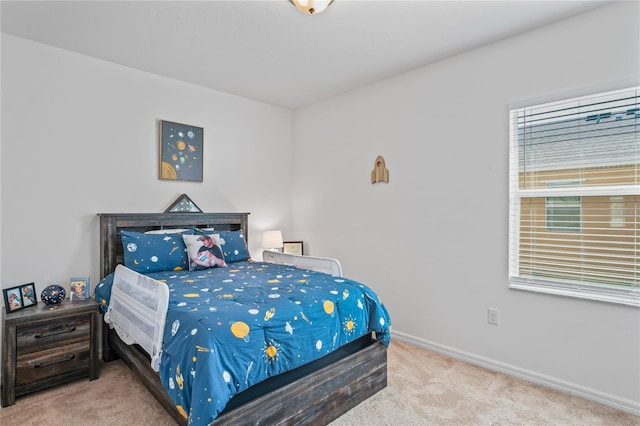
(230, 328)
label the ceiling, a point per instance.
(268, 51)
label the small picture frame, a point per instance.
(293, 247)
(20, 297)
(78, 288)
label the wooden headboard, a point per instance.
(111, 224)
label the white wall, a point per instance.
(433, 242)
(80, 136)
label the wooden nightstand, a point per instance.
(46, 346)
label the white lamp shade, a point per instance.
(272, 239)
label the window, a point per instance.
(574, 197)
(563, 213)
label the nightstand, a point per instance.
(48, 345)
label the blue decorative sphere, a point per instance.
(53, 295)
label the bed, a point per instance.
(317, 391)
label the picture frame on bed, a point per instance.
(181, 151)
(293, 247)
(19, 297)
(78, 288)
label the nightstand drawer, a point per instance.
(52, 362)
(56, 332)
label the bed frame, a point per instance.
(316, 393)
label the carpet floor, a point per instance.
(424, 388)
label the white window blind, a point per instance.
(574, 197)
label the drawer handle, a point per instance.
(68, 330)
(40, 365)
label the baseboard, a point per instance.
(622, 404)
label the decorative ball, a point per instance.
(53, 295)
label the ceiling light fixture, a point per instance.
(311, 7)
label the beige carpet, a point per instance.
(424, 388)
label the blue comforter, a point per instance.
(230, 328)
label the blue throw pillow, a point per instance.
(146, 253)
(234, 246)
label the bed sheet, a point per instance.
(230, 328)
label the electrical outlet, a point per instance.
(493, 316)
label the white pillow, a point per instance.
(166, 231)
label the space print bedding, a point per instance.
(228, 328)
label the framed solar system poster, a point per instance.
(180, 151)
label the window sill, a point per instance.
(629, 297)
